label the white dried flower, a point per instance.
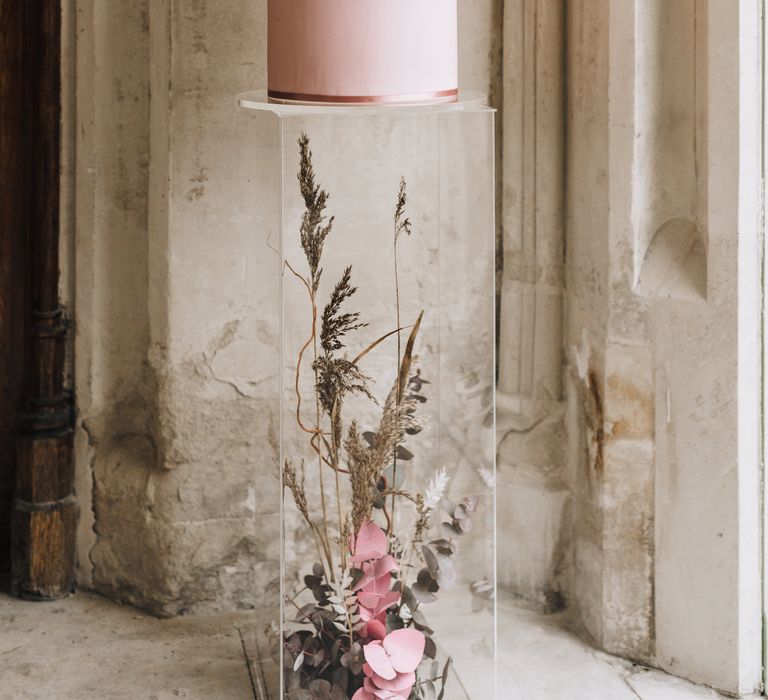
(436, 489)
(487, 476)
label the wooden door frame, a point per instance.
(44, 513)
(14, 192)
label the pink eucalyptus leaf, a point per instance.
(372, 689)
(379, 569)
(376, 629)
(377, 686)
(385, 565)
(387, 601)
(366, 579)
(369, 600)
(363, 694)
(373, 580)
(404, 681)
(382, 584)
(376, 603)
(405, 649)
(370, 543)
(379, 693)
(379, 661)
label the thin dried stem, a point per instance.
(401, 225)
(318, 413)
(376, 343)
(335, 434)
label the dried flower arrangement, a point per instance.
(362, 634)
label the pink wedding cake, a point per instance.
(363, 51)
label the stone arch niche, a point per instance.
(675, 263)
(668, 178)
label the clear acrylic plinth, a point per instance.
(373, 416)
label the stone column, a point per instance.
(532, 480)
(175, 280)
(662, 349)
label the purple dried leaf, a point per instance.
(430, 559)
(430, 648)
(403, 454)
(444, 546)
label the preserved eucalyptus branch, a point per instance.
(360, 596)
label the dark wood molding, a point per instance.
(44, 516)
(14, 214)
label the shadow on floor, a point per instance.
(88, 648)
(85, 647)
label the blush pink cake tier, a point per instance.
(363, 51)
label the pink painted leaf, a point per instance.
(385, 565)
(388, 600)
(404, 681)
(378, 659)
(369, 600)
(370, 543)
(381, 694)
(382, 584)
(375, 570)
(372, 605)
(373, 690)
(363, 694)
(405, 648)
(375, 629)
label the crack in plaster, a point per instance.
(221, 342)
(247, 663)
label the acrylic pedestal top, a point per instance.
(258, 100)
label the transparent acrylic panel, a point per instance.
(387, 425)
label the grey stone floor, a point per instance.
(86, 648)
(546, 661)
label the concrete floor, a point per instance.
(86, 648)
(547, 662)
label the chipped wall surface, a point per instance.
(655, 407)
(176, 298)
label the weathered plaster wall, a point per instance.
(533, 485)
(620, 420)
(660, 404)
(115, 441)
(175, 294)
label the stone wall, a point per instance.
(628, 462)
(627, 372)
(533, 490)
(661, 338)
(174, 294)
